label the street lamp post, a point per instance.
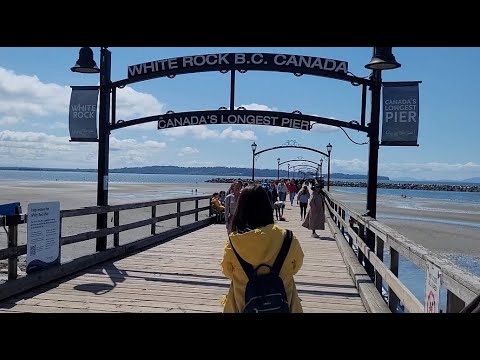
(86, 64)
(382, 59)
(254, 148)
(288, 171)
(278, 169)
(329, 150)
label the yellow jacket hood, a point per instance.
(258, 245)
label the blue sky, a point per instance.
(35, 93)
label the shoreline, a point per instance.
(448, 232)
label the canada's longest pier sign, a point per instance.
(239, 117)
(294, 120)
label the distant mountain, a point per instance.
(218, 171)
(473, 180)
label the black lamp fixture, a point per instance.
(329, 148)
(254, 148)
(382, 59)
(85, 63)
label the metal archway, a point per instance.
(291, 147)
(296, 64)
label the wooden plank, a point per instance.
(13, 251)
(93, 210)
(13, 260)
(393, 299)
(154, 215)
(116, 222)
(454, 304)
(72, 239)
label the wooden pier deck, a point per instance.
(184, 275)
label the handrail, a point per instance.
(13, 250)
(460, 284)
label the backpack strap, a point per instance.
(277, 265)
(248, 268)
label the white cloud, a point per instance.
(24, 96)
(133, 104)
(58, 125)
(254, 106)
(40, 149)
(203, 132)
(10, 120)
(431, 170)
(347, 166)
(188, 151)
(277, 130)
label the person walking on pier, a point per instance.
(302, 199)
(315, 219)
(258, 240)
(282, 191)
(231, 204)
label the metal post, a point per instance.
(328, 179)
(374, 144)
(288, 171)
(12, 236)
(232, 90)
(278, 172)
(373, 160)
(253, 165)
(103, 143)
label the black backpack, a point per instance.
(266, 293)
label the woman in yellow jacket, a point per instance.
(257, 239)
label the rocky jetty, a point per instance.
(409, 186)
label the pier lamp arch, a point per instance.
(290, 144)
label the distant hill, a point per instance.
(405, 179)
(214, 171)
(473, 180)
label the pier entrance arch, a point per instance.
(298, 65)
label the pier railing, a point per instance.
(16, 284)
(350, 227)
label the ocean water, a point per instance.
(412, 276)
(112, 177)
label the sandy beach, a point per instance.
(449, 228)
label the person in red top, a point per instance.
(292, 190)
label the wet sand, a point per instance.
(444, 227)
